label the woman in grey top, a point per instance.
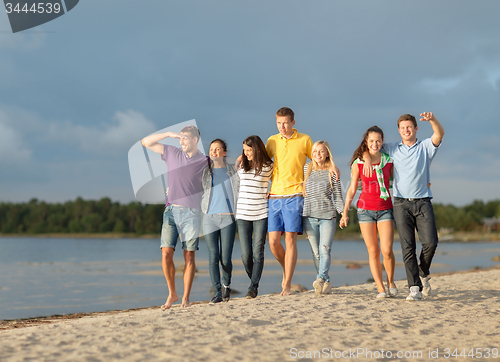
(319, 215)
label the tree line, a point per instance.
(80, 216)
(134, 218)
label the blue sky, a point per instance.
(76, 93)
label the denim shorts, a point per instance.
(181, 222)
(285, 214)
(374, 216)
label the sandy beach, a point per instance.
(459, 321)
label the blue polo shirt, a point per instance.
(411, 168)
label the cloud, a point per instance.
(113, 138)
(483, 70)
(12, 145)
(128, 127)
(441, 85)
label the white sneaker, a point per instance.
(382, 295)
(318, 285)
(392, 291)
(414, 293)
(327, 288)
(426, 290)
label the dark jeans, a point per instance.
(220, 231)
(252, 248)
(411, 215)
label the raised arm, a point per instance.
(152, 141)
(438, 134)
(351, 191)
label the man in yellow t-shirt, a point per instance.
(289, 150)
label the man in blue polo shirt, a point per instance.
(412, 198)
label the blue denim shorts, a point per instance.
(181, 222)
(374, 216)
(285, 214)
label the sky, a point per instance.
(78, 92)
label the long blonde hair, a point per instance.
(313, 165)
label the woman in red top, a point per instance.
(374, 208)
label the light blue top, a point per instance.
(219, 201)
(411, 168)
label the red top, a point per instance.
(370, 193)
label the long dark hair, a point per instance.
(363, 147)
(260, 157)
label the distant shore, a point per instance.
(457, 237)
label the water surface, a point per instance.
(47, 276)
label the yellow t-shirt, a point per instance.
(289, 156)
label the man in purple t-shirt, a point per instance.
(182, 215)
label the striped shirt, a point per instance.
(318, 200)
(252, 201)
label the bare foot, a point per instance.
(283, 282)
(285, 292)
(285, 288)
(170, 300)
(185, 303)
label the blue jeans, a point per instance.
(320, 233)
(220, 231)
(411, 215)
(252, 248)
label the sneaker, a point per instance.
(216, 299)
(318, 285)
(414, 293)
(382, 295)
(251, 294)
(226, 293)
(426, 290)
(327, 288)
(392, 291)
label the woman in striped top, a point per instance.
(255, 172)
(319, 215)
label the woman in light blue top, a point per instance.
(220, 189)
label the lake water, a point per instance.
(48, 276)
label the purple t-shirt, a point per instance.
(184, 177)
